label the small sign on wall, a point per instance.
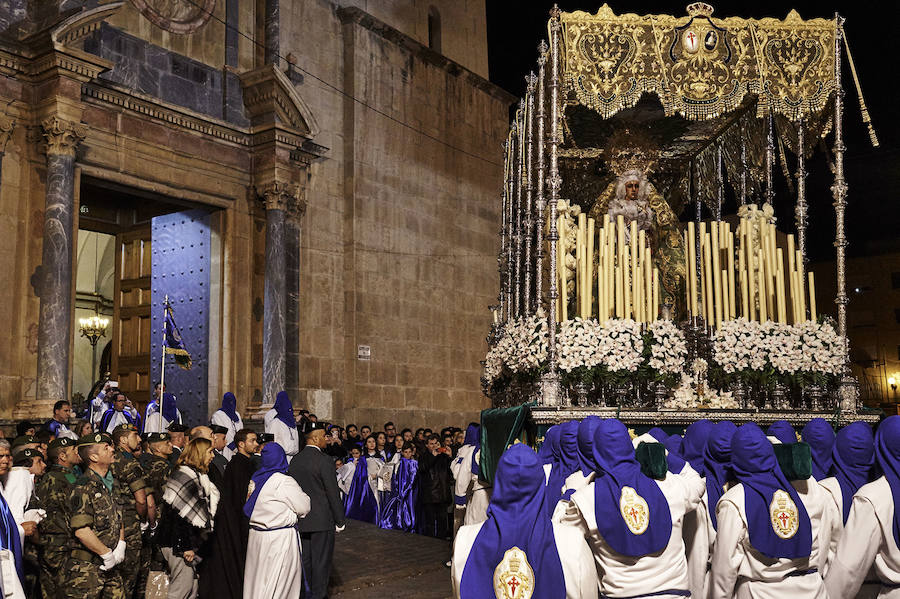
(363, 352)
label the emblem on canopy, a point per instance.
(513, 576)
(634, 510)
(784, 515)
(177, 16)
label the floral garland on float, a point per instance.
(621, 362)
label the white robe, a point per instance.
(157, 423)
(625, 576)
(477, 494)
(286, 436)
(869, 540)
(222, 419)
(736, 562)
(274, 565)
(574, 555)
(12, 586)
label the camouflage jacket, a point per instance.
(130, 476)
(156, 471)
(51, 493)
(92, 505)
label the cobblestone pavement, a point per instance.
(371, 562)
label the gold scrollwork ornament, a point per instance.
(784, 515)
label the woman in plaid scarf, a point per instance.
(189, 506)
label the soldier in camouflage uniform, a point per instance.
(133, 498)
(51, 492)
(98, 547)
(156, 465)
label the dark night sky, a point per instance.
(873, 218)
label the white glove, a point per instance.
(339, 528)
(109, 561)
(119, 552)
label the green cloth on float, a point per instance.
(500, 428)
(795, 460)
(652, 458)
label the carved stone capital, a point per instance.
(62, 136)
(279, 195)
(7, 124)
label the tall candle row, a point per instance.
(752, 282)
(614, 278)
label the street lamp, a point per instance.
(892, 381)
(93, 328)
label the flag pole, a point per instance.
(162, 370)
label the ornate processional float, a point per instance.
(608, 304)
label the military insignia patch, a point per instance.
(634, 510)
(784, 515)
(513, 576)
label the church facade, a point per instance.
(311, 186)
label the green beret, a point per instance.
(265, 438)
(177, 428)
(156, 437)
(125, 426)
(61, 442)
(25, 457)
(94, 439)
(218, 430)
(23, 440)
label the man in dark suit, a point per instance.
(314, 472)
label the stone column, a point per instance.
(292, 229)
(55, 288)
(6, 127)
(273, 32)
(277, 198)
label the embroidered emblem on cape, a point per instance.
(634, 510)
(513, 576)
(784, 515)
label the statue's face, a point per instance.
(631, 190)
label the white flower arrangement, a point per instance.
(579, 344)
(668, 349)
(822, 349)
(808, 347)
(522, 346)
(622, 345)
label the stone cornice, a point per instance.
(352, 14)
(62, 136)
(107, 94)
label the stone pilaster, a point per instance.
(277, 198)
(55, 320)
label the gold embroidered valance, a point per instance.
(699, 66)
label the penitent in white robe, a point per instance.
(740, 571)
(274, 565)
(286, 436)
(868, 539)
(477, 494)
(625, 576)
(222, 419)
(574, 555)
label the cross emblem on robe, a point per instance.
(784, 518)
(633, 513)
(691, 37)
(513, 585)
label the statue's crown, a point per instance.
(629, 151)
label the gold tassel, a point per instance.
(862, 102)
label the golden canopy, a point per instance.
(698, 66)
